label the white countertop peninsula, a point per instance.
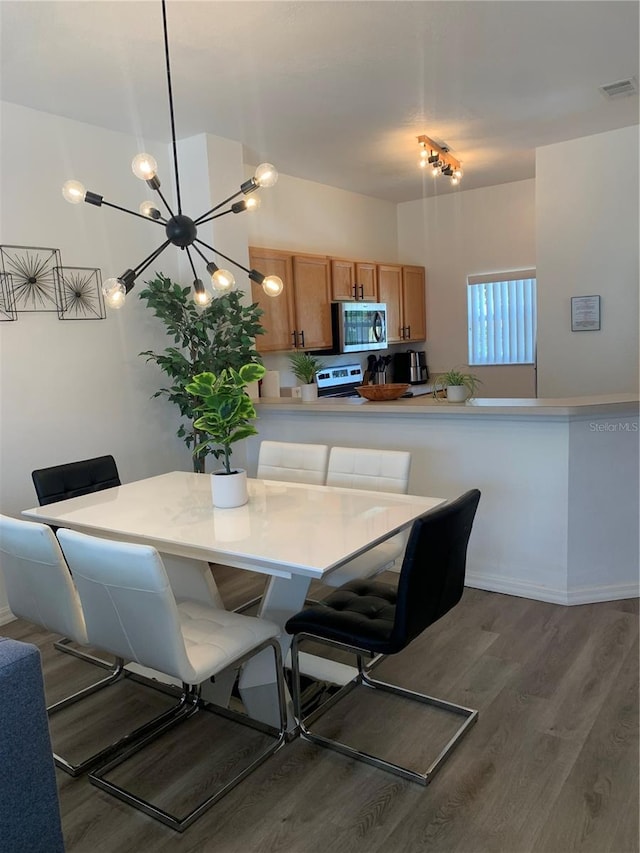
(558, 517)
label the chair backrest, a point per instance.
(37, 579)
(128, 604)
(295, 463)
(433, 570)
(362, 468)
(75, 478)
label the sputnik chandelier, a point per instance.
(438, 159)
(180, 230)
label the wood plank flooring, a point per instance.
(550, 767)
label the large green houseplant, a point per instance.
(205, 340)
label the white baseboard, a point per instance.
(524, 589)
(6, 616)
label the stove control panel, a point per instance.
(338, 380)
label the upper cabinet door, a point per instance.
(312, 283)
(390, 292)
(367, 282)
(278, 319)
(342, 280)
(414, 304)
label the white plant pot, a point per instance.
(457, 393)
(309, 393)
(229, 490)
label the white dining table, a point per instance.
(292, 532)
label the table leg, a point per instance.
(282, 598)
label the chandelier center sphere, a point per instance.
(181, 230)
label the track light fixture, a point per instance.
(439, 160)
(180, 230)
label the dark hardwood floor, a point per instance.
(550, 767)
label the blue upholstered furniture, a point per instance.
(29, 810)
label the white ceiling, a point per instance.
(335, 91)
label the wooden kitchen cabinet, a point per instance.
(353, 280)
(300, 317)
(402, 288)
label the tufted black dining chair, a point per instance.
(72, 479)
(369, 618)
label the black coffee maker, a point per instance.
(410, 366)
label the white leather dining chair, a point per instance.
(130, 610)
(295, 463)
(376, 470)
(40, 589)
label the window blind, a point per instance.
(502, 318)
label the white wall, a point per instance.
(75, 389)
(587, 243)
(466, 233)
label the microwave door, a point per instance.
(377, 327)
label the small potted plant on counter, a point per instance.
(225, 415)
(459, 386)
(304, 367)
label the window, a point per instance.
(501, 309)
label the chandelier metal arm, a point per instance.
(150, 258)
(132, 212)
(166, 203)
(201, 218)
(195, 274)
(202, 254)
(211, 218)
(226, 257)
(171, 114)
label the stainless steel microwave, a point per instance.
(359, 326)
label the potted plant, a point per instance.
(304, 367)
(205, 339)
(459, 386)
(225, 414)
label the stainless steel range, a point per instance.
(339, 381)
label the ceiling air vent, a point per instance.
(620, 88)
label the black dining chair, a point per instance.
(70, 480)
(370, 619)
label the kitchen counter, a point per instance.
(427, 405)
(558, 517)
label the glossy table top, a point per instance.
(285, 529)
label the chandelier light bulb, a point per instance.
(424, 154)
(222, 281)
(266, 175)
(458, 173)
(455, 180)
(144, 167)
(201, 295)
(73, 191)
(252, 203)
(435, 171)
(114, 292)
(148, 208)
(422, 163)
(272, 285)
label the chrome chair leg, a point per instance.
(63, 645)
(97, 777)
(424, 778)
(102, 755)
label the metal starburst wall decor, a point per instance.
(32, 277)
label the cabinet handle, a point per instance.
(355, 291)
(408, 331)
(302, 339)
(361, 291)
(294, 335)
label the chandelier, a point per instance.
(438, 159)
(180, 230)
